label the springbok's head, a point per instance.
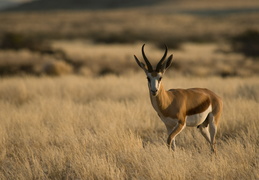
(154, 76)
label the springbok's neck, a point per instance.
(162, 100)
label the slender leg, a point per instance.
(212, 131)
(169, 131)
(171, 138)
(205, 132)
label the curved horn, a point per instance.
(159, 65)
(149, 66)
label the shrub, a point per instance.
(111, 38)
(246, 43)
(18, 41)
(57, 68)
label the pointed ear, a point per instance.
(141, 64)
(167, 63)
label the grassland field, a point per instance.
(74, 127)
(83, 112)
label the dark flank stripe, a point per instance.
(199, 108)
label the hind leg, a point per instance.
(204, 129)
(212, 131)
(208, 129)
(205, 132)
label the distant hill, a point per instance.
(5, 4)
(80, 4)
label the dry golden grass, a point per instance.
(103, 127)
(192, 59)
(73, 127)
(99, 59)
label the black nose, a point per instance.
(153, 91)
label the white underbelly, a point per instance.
(197, 119)
(193, 120)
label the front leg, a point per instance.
(177, 129)
(169, 131)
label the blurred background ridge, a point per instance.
(72, 34)
(200, 7)
(75, 4)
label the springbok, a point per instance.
(178, 108)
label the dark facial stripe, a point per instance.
(154, 74)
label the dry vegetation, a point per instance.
(73, 127)
(83, 37)
(96, 122)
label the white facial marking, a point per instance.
(154, 82)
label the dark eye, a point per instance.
(160, 79)
(148, 79)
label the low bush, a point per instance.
(247, 43)
(18, 41)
